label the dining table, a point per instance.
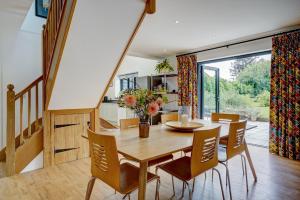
(162, 141)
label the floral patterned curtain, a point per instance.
(285, 96)
(187, 83)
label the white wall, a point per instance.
(132, 64)
(22, 67)
(245, 48)
(92, 51)
(20, 56)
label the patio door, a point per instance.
(209, 100)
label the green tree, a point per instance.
(257, 76)
(240, 64)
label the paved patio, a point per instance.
(258, 136)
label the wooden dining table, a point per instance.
(162, 141)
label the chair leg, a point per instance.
(183, 188)
(221, 185)
(194, 180)
(173, 186)
(242, 164)
(212, 175)
(226, 174)
(228, 179)
(205, 176)
(245, 165)
(190, 191)
(90, 188)
(157, 189)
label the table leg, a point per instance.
(143, 180)
(250, 162)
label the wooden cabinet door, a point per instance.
(67, 136)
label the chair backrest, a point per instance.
(129, 123)
(225, 117)
(236, 138)
(106, 124)
(169, 117)
(105, 163)
(205, 150)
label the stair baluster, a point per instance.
(13, 143)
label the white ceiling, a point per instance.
(205, 23)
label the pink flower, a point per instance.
(130, 100)
(153, 108)
(159, 102)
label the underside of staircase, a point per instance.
(82, 52)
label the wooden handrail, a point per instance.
(50, 33)
(54, 37)
(12, 99)
(29, 87)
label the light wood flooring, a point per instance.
(278, 178)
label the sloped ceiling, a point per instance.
(203, 23)
(97, 37)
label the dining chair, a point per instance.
(204, 157)
(235, 146)
(173, 116)
(221, 117)
(106, 124)
(129, 123)
(229, 117)
(134, 122)
(105, 166)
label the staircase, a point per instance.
(51, 126)
(21, 150)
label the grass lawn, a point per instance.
(263, 113)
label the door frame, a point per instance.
(200, 73)
(200, 70)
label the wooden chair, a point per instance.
(105, 166)
(235, 146)
(204, 157)
(106, 124)
(221, 117)
(218, 117)
(134, 122)
(169, 117)
(224, 117)
(129, 123)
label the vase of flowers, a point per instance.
(144, 103)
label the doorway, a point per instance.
(209, 87)
(239, 85)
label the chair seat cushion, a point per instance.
(222, 156)
(129, 177)
(160, 160)
(180, 168)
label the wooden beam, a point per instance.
(151, 6)
(94, 120)
(10, 135)
(48, 140)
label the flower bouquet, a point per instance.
(144, 103)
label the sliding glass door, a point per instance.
(209, 90)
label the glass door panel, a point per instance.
(209, 91)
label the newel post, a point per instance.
(10, 131)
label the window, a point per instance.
(128, 81)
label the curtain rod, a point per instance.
(236, 43)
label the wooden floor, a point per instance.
(278, 178)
